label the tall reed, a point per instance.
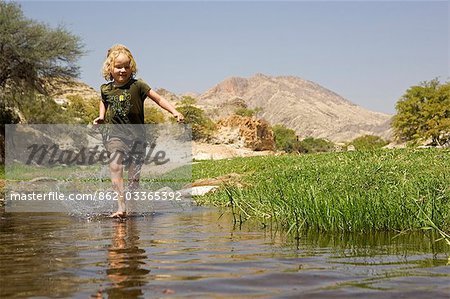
(351, 191)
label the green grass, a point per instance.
(350, 192)
(18, 171)
(85, 178)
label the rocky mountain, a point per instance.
(306, 107)
(60, 89)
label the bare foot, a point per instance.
(118, 214)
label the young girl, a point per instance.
(125, 96)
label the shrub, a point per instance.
(247, 112)
(202, 126)
(38, 109)
(153, 115)
(368, 142)
(311, 145)
(80, 110)
(285, 139)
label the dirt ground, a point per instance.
(204, 151)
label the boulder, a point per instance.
(241, 131)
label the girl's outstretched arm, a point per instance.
(163, 103)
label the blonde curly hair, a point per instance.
(111, 56)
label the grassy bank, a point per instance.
(351, 191)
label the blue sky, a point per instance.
(368, 52)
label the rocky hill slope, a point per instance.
(61, 89)
(306, 107)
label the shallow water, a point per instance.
(199, 254)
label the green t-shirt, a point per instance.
(126, 107)
(126, 103)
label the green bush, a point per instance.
(38, 109)
(285, 139)
(368, 142)
(311, 145)
(202, 126)
(80, 110)
(153, 115)
(247, 112)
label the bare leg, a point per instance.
(134, 175)
(116, 169)
(134, 170)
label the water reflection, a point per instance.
(127, 269)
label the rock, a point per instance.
(197, 191)
(247, 132)
(394, 145)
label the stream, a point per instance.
(200, 253)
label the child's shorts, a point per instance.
(132, 150)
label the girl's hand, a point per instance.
(99, 120)
(178, 116)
